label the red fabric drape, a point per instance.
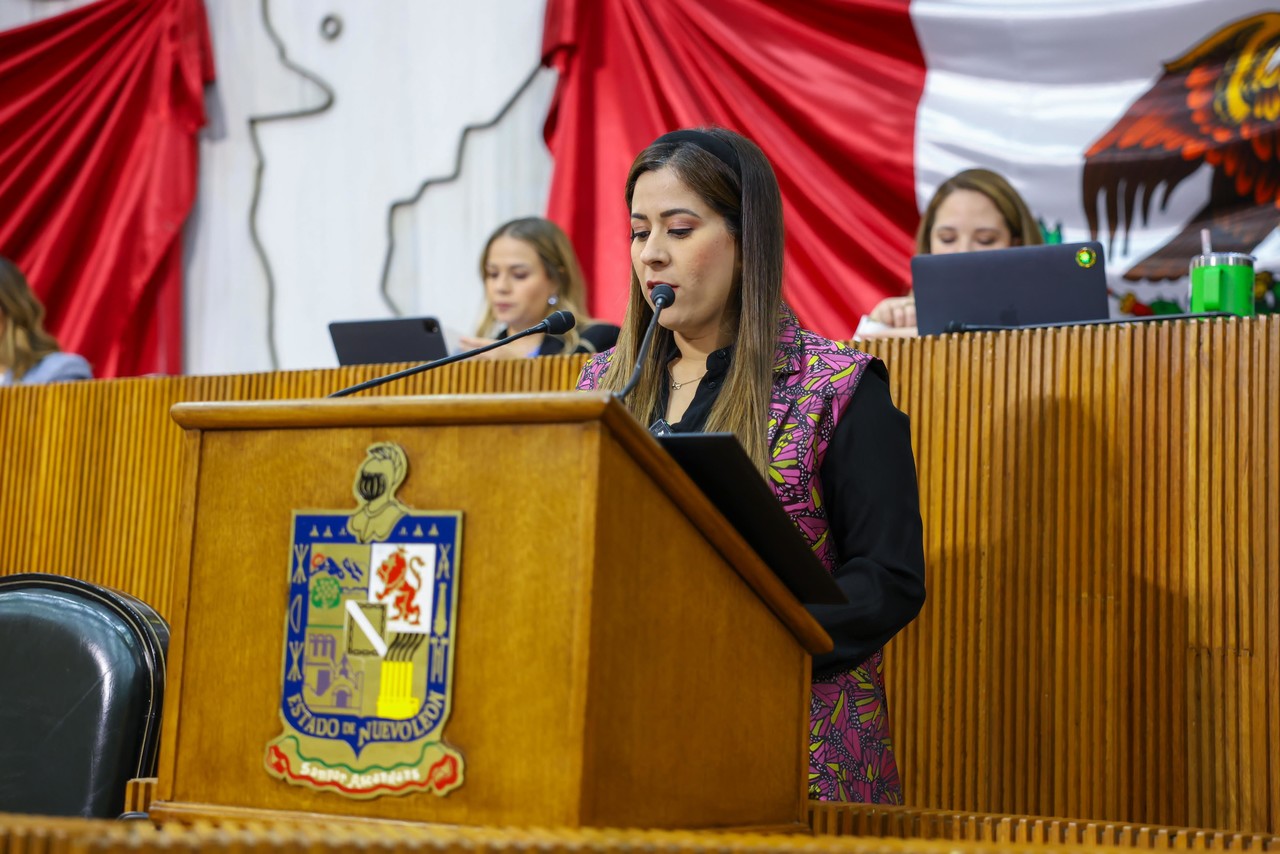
(827, 88)
(99, 110)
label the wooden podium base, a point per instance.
(622, 658)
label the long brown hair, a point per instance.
(1017, 216)
(560, 263)
(23, 339)
(751, 205)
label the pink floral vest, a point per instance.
(850, 749)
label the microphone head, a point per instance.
(559, 322)
(663, 295)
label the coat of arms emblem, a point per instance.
(369, 636)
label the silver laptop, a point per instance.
(1021, 286)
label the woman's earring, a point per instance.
(553, 299)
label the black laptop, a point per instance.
(1021, 286)
(378, 342)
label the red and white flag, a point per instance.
(1141, 121)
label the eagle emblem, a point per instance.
(1217, 105)
(369, 635)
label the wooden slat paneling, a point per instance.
(861, 820)
(909, 823)
(1100, 639)
(23, 835)
(1102, 636)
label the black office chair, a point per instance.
(81, 687)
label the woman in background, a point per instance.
(815, 417)
(972, 211)
(529, 270)
(28, 354)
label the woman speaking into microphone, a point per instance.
(813, 415)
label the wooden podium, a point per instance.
(622, 658)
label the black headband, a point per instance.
(717, 148)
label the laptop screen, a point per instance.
(1021, 286)
(398, 339)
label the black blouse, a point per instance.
(873, 506)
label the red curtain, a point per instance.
(827, 88)
(98, 158)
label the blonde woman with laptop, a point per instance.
(972, 211)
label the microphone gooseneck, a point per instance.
(557, 323)
(663, 296)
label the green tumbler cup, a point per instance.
(1222, 281)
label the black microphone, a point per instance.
(663, 296)
(556, 323)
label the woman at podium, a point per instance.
(814, 416)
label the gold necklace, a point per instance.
(675, 386)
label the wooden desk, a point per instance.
(1102, 636)
(89, 472)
